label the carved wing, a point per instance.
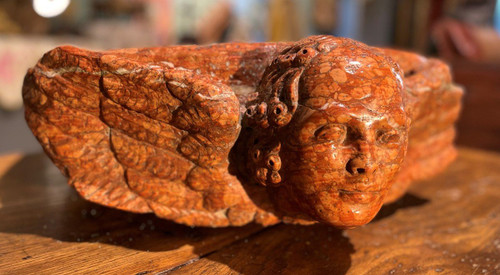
(139, 136)
(433, 103)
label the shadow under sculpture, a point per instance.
(325, 129)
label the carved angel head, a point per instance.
(328, 131)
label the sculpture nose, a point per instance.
(359, 166)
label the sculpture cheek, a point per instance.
(391, 154)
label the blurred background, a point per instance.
(463, 32)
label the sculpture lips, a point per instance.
(364, 184)
(358, 197)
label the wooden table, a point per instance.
(447, 225)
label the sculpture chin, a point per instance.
(346, 208)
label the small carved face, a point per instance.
(331, 131)
(345, 142)
(342, 161)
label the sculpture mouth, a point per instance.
(356, 191)
(358, 197)
(360, 185)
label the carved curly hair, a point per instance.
(291, 80)
(278, 92)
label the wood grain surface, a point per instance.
(447, 225)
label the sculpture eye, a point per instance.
(387, 137)
(331, 132)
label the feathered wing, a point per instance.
(140, 136)
(433, 103)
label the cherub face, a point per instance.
(331, 131)
(346, 140)
(342, 160)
